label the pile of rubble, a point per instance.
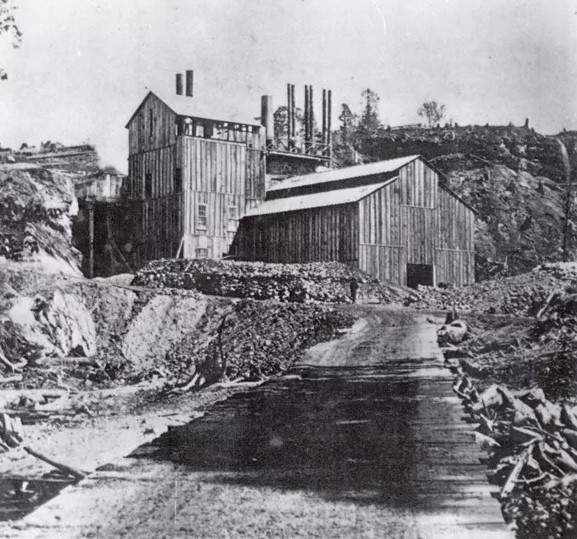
(95, 334)
(251, 340)
(320, 281)
(532, 446)
(522, 295)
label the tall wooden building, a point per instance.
(191, 176)
(395, 219)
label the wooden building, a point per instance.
(395, 219)
(191, 176)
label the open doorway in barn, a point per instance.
(420, 274)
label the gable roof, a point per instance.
(335, 175)
(316, 200)
(187, 106)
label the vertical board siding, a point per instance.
(219, 174)
(158, 228)
(315, 235)
(415, 221)
(163, 133)
(214, 172)
(160, 165)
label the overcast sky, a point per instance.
(84, 66)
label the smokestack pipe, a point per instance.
(288, 112)
(307, 105)
(324, 128)
(179, 84)
(189, 82)
(311, 117)
(329, 120)
(266, 117)
(293, 109)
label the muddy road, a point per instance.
(363, 438)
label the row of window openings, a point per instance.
(202, 217)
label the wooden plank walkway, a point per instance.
(364, 438)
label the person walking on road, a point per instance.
(354, 284)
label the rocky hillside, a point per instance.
(513, 177)
(37, 208)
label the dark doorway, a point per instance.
(420, 274)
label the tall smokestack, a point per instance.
(179, 84)
(266, 116)
(289, 111)
(189, 82)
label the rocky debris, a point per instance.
(320, 281)
(529, 432)
(452, 333)
(10, 432)
(520, 295)
(58, 325)
(37, 207)
(252, 340)
(98, 334)
(532, 447)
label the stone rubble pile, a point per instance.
(520, 295)
(531, 440)
(532, 446)
(251, 341)
(320, 281)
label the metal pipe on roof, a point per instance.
(189, 82)
(288, 111)
(266, 117)
(293, 108)
(306, 118)
(329, 121)
(311, 117)
(324, 128)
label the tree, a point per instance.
(8, 26)
(369, 123)
(280, 117)
(344, 153)
(348, 124)
(433, 112)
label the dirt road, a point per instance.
(363, 438)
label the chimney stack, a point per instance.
(179, 84)
(266, 117)
(189, 82)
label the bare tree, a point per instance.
(433, 112)
(8, 26)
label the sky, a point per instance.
(83, 67)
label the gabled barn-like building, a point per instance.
(395, 219)
(191, 176)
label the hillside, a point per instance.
(512, 176)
